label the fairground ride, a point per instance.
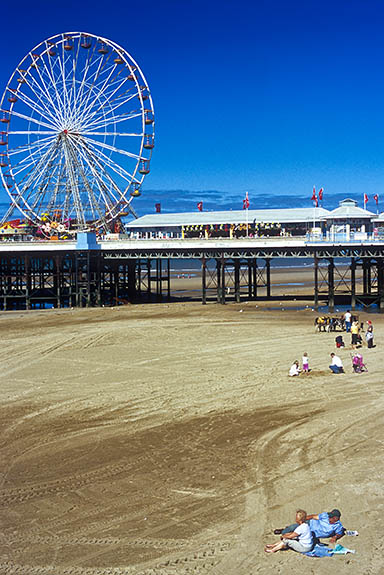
(76, 133)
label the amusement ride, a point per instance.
(76, 134)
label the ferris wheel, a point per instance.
(76, 132)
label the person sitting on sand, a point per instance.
(336, 365)
(294, 370)
(323, 525)
(300, 540)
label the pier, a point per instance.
(77, 274)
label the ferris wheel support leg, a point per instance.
(8, 214)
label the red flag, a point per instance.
(314, 194)
(158, 208)
(376, 198)
(365, 199)
(246, 202)
(321, 194)
(200, 206)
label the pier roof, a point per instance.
(349, 212)
(290, 215)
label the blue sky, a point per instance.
(267, 96)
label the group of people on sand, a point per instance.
(355, 329)
(307, 530)
(336, 365)
(295, 367)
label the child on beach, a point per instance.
(305, 363)
(294, 370)
(300, 540)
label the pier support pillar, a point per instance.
(380, 284)
(251, 280)
(331, 286)
(218, 281)
(222, 281)
(159, 286)
(353, 284)
(254, 272)
(268, 276)
(365, 277)
(168, 278)
(237, 280)
(149, 278)
(203, 281)
(57, 281)
(316, 280)
(27, 271)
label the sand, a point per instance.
(168, 439)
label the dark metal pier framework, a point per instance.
(350, 274)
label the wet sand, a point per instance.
(168, 439)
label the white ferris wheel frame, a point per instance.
(63, 169)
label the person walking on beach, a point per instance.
(347, 321)
(294, 370)
(336, 364)
(305, 363)
(369, 334)
(300, 539)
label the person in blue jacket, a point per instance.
(323, 525)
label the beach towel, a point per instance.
(321, 550)
(340, 550)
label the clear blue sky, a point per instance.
(269, 96)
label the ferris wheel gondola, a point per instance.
(76, 131)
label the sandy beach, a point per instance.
(168, 439)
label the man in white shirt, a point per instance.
(336, 364)
(347, 320)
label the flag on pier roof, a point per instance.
(321, 194)
(376, 198)
(200, 206)
(314, 197)
(365, 199)
(246, 202)
(158, 208)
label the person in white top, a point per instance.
(336, 364)
(300, 540)
(305, 363)
(294, 370)
(348, 320)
